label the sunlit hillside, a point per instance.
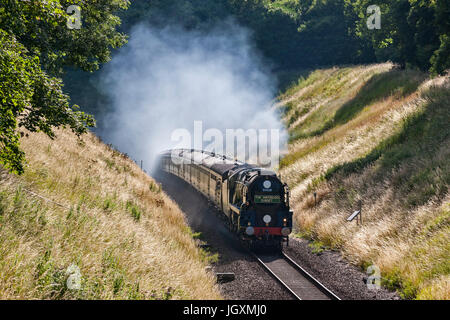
(80, 204)
(380, 135)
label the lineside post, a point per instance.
(360, 211)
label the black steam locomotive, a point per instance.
(254, 200)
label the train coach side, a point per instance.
(254, 200)
(204, 171)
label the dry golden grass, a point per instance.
(407, 239)
(129, 240)
(330, 88)
(347, 142)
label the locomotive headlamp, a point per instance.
(267, 184)
(267, 218)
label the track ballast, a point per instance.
(294, 278)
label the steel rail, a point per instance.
(302, 274)
(273, 274)
(316, 282)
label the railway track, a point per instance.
(294, 278)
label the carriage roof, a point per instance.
(216, 163)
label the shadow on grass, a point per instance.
(394, 83)
(289, 79)
(426, 173)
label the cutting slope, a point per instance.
(82, 205)
(380, 135)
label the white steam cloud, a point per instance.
(165, 79)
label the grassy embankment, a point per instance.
(129, 240)
(380, 135)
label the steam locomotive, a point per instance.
(254, 200)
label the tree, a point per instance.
(440, 61)
(326, 33)
(35, 46)
(413, 33)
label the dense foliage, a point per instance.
(310, 33)
(413, 33)
(35, 46)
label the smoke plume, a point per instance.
(165, 79)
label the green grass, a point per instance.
(300, 113)
(317, 247)
(294, 156)
(417, 143)
(394, 83)
(322, 84)
(110, 203)
(434, 263)
(332, 84)
(127, 241)
(134, 210)
(402, 178)
(290, 82)
(415, 162)
(154, 187)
